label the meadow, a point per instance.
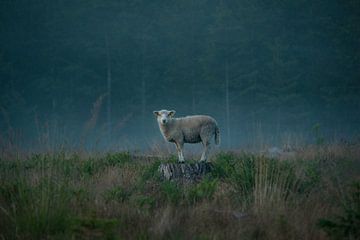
(312, 194)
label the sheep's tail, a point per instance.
(217, 135)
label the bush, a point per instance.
(50, 196)
(237, 170)
(172, 192)
(203, 190)
(117, 194)
(90, 166)
(151, 172)
(117, 159)
(94, 228)
(145, 202)
(36, 211)
(345, 226)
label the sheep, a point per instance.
(190, 129)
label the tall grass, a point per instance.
(33, 202)
(121, 196)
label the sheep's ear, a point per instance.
(172, 113)
(156, 113)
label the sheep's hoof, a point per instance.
(181, 161)
(203, 161)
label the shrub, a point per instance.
(117, 159)
(94, 228)
(88, 167)
(36, 211)
(275, 181)
(171, 191)
(145, 202)
(203, 190)
(345, 226)
(117, 194)
(311, 170)
(238, 170)
(151, 172)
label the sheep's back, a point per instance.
(192, 126)
(196, 122)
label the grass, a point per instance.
(313, 195)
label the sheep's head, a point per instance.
(164, 116)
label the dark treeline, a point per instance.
(91, 71)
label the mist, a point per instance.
(90, 73)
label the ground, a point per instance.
(313, 194)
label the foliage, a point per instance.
(112, 196)
(36, 211)
(94, 228)
(202, 191)
(172, 192)
(116, 194)
(240, 171)
(150, 172)
(117, 159)
(145, 202)
(346, 225)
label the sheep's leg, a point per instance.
(205, 136)
(205, 152)
(179, 147)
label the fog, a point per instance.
(89, 73)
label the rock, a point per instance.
(184, 171)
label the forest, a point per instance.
(92, 72)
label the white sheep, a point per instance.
(190, 129)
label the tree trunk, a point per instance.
(187, 172)
(193, 110)
(108, 73)
(143, 85)
(227, 103)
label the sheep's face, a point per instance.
(164, 116)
